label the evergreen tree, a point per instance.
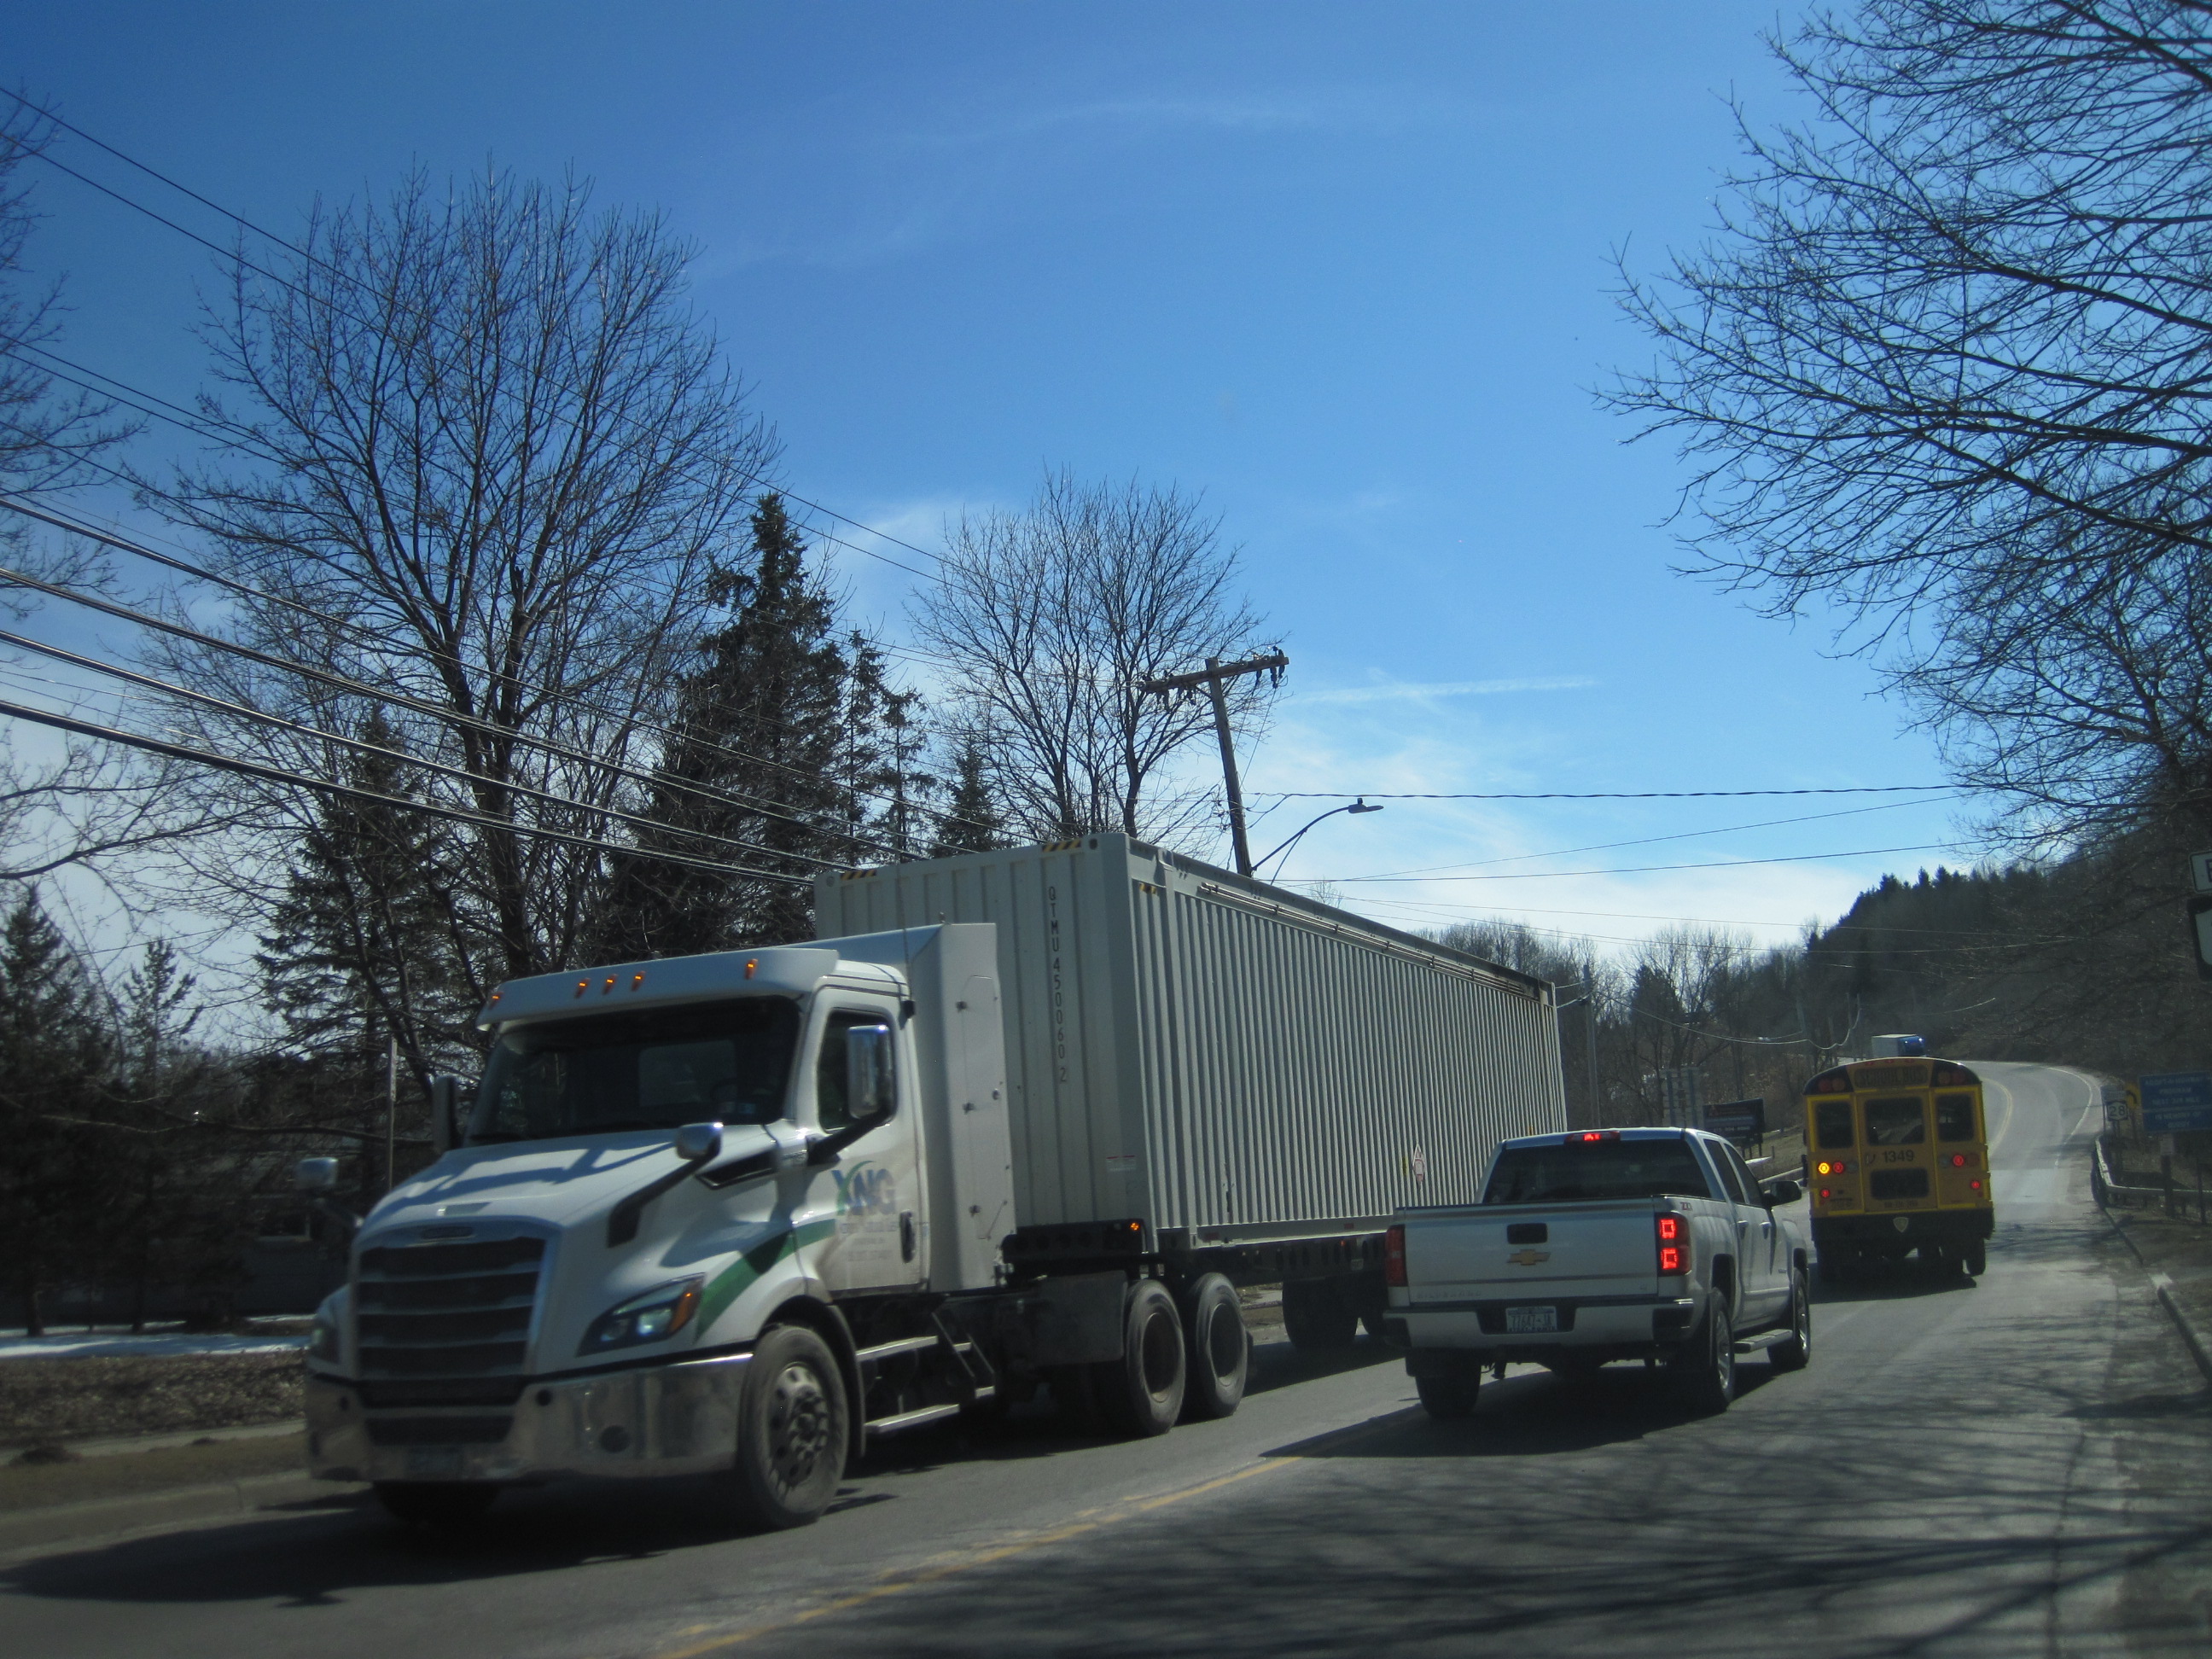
(362, 946)
(55, 1056)
(782, 735)
(971, 822)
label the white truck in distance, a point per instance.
(1596, 1245)
(1027, 1118)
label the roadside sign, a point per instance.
(2200, 934)
(1739, 1120)
(2176, 1102)
(2200, 871)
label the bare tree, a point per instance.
(1052, 617)
(493, 459)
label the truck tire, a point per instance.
(436, 1502)
(1317, 1316)
(1448, 1397)
(1978, 1258)
(1219, 1348)
(1140, 1393)
(791, 1431)
(1703, 1368)
(1795, 1351)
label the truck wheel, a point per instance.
(1140, 1393)
(1704, 1366)
(1978, 1258)
(1448, 1397)
(436, 1502)
(1317, 1316)
(791, 1430)
(1219, 1348)
(1795, 1351)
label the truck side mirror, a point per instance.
(697, 1142)
(445, 1112)
(315, 1175)
(1783, 1192)
(870, 1082)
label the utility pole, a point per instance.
(1213, 676)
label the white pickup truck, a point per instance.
(1596, 1245)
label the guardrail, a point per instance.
(2106, 1190)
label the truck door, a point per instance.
(872, 1191)
(1764, 1290)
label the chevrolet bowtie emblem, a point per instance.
(1529, 1258)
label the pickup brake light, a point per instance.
(1393, 1255)
(1674, 1243)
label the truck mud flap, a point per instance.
(1075, 1320)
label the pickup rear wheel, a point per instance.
(1795, 1351)
(1704, 1367)
(1448, 1397)
(1141, 1393)
(1219, 1348)
(791, 1430)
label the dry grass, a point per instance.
(131, 1474)
(50, 1400)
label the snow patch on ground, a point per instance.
(108, 1341)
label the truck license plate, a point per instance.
(1532, 1319)
(433, 1463)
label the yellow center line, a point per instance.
(1107, 1516)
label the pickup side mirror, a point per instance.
(1778, 1193)
(315, 1175)
(445, 1112)
(870, 1080)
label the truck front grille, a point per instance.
(447, 1310)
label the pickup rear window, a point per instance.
(1605, 1168)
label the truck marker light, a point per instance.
(582, 986)
(636, 980)
(608, 987)
(1393, 1255)
(753, 964)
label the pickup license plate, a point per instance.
(433, 1463)
(1532, 1319)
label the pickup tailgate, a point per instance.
(1525, 1252)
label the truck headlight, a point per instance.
(652, 1317)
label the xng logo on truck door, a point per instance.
(867, 1200)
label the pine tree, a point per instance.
(363, 946)
(779, 742)
(55, 1057)
(971, 822)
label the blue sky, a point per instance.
(1344, 269)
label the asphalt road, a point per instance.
(2019, 1466)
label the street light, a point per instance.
(1359, 805)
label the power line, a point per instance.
(1648, 869)
(294, 248)
(130, 677)
(1645, 841)
(1644, 794)
(302, 780)
(765, 807)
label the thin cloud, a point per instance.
(1397, 691)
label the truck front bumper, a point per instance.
(680, 1418)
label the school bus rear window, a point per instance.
(1895, 1120)
(1834, 1123)
(1954, 1117)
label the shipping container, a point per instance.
(1221, 1059)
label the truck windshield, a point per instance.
(1605, 1168)
(716, 1062)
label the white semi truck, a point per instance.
(1021, 1118)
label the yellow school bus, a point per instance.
(1897, 1160)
